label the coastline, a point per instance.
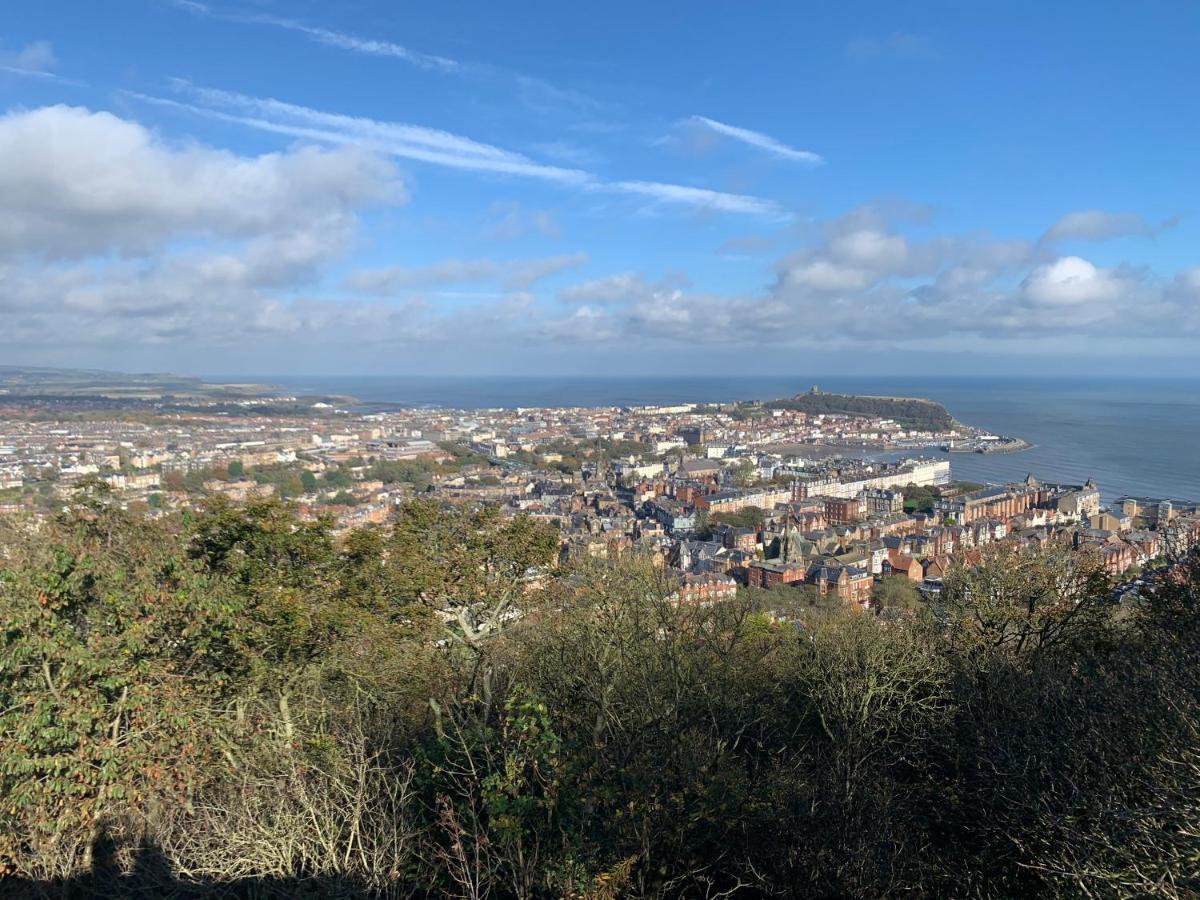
(1075, 427)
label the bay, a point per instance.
(1137, 436)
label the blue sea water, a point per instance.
(1133, 435)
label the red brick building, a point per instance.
(1118, 557)
(847, 583)
(998, 502)
(768, 573)
(843, 511)
(705, 589)
(898, 563)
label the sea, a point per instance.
(1133, 436)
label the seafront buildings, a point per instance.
(720, 499)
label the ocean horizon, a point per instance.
(1136, 436)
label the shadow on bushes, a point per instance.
(151, 876)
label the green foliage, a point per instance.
(896, 592)
(286, 478)
(960, 487)
(406, 471)
(920, 498)
(470, 564)
(794, 602)
(463, 455)
(923, 415)
(495, 779)
(743, 473)
(112, 653)
(1023, 599)
(747, 517)
(431, 709)
(575, 452)
(338, 478)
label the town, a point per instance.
(756, 495)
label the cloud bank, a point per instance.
(113, 237)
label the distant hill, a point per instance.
(36, 381)
(911, 412)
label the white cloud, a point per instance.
(396, 278)
(112, 237)
(1071, 281)
(624, 287)
(1189, 280)
(584, 325)
(759, 140)
(326, 36)
(516, 274)
(35, 58)
(400, 139)
(862, 282)
(871, 249)
(526, 273)
(1098, 225)
(369, 46)
(75, 182)
(184, 302)
(509, 220)
(824, 275)
(858, 250)
(568, 153)
(439, 148)
(701, 198)
(535, 93)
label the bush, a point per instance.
(238, 701)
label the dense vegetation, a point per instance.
(575, 453)
(294, 479)
(922, 415)
(237, 698)
(923, 497)
(746, 517)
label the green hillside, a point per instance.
(912, 412)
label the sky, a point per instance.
(261, 186)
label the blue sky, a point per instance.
(360, 187)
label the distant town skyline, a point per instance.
(253, 186)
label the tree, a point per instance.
(470, 563)
(235, 469)
(1021, 598)
(743, 473)
(339, 477)
(114, 651)
(796, 601)
(286, 575)
(437, 709)
(920, 498)
(746, 517)
(896, 592)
